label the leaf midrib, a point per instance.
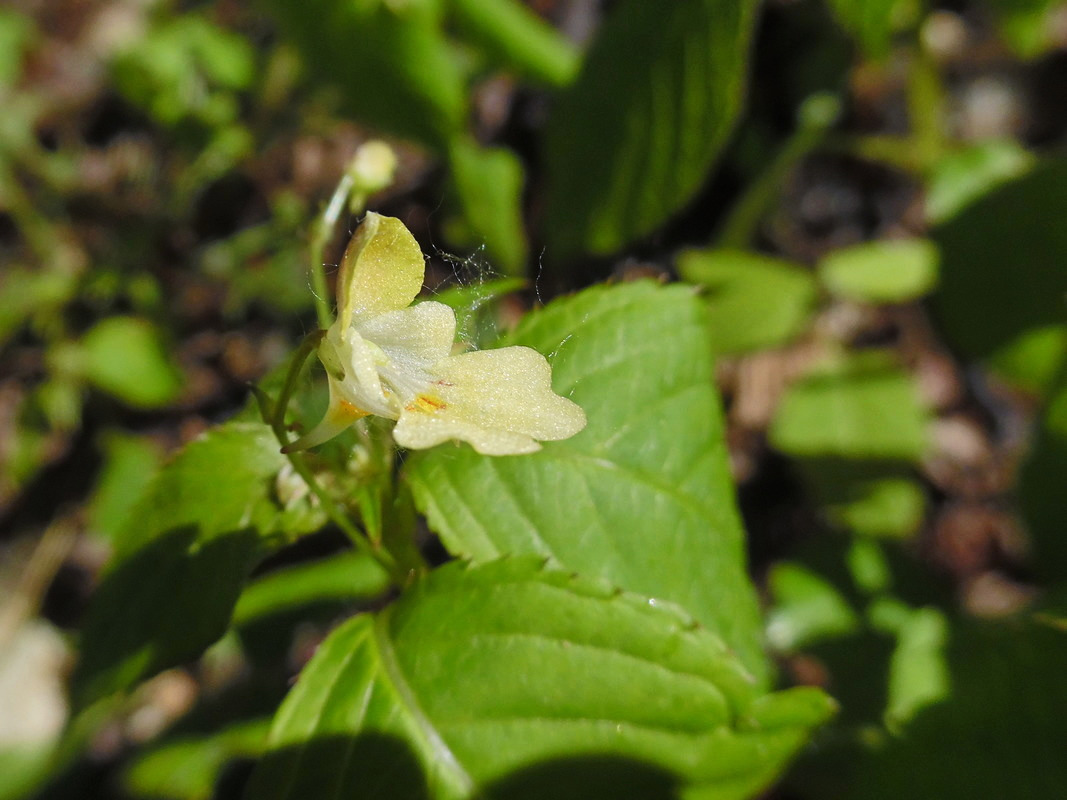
(443, 757)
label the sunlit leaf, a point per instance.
(872, 23)
(130, 464)
(346, 578)
(754, 301)
(885, 271)
(1028, 26)
(643, 496)
(517, 38)
(125, 357)
(861, 408)
(807, 607)
(511, 681)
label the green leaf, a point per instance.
(958, 179)
(24, 767)
(643, 496)
(188, 768)
(391, 60)
(863, 408)
(125, 357)
(348, 577)
(17, 32)
(1041, 489)
(476, 320)
(633, 138)
(511, 681)
(186, 68)
(1003, 273)
(129, 466)
(872, 23)
(1027, 25)
(515, 36)
(26, 293)
(807, 608)
(488, 183)
(996, 736)
(754, 301)
(918, 672)
(868, 498)
(183, 556)
(885, 271)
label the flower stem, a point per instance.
(816, 116)
(275, 417)
(321, 232)
(307, 347)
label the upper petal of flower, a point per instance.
(500, 401)
(382, 269)
(412, 338)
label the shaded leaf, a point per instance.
(958, 179)
(1041, 489)
(478, 672)
(754, 301)
(633, 138)
(188, 768)
(488, 183)
(1003, 273)
(997, 735)
(391, 60)
(131, 463)
(347, 577)
(643, 496)
(872, 24)
(183, 557)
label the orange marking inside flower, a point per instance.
(350, 410)
(427, 403)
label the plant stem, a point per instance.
(44, 562)
(307, 347)
(817, 114)
(321, 232)
(275, 417)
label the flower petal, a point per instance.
(359, 384)
(500, 401)
(413, 338)
(382, 269)
(338, 417)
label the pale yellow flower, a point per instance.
(387, 357)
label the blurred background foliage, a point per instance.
(867, 198)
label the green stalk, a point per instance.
(321, 232)
(398, 575)
(816, 116)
